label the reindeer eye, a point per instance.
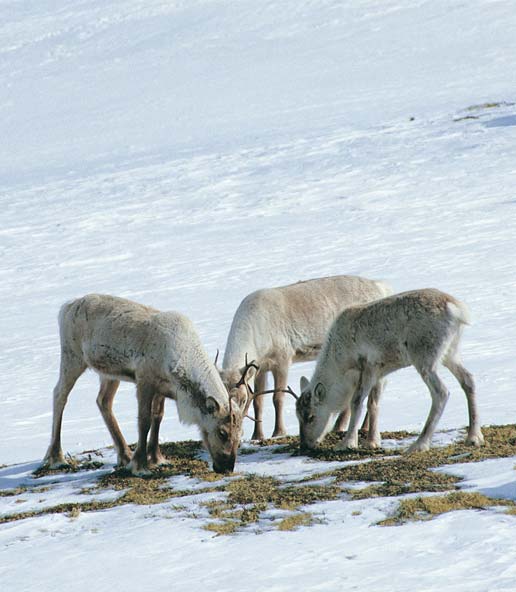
(223, 435)
(310, 418)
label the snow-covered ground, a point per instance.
(186, 153)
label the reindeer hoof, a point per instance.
(346, 445)
(373, 444)
(55, 464)
(279, 433)
(475, 440)
(418, 447)
(123, 461)
(159, 461)
(138, 471)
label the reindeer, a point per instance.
(366, 343)
(161, 353)
(280, 326)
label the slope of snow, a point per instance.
(185, 153)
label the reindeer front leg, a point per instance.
(259, 386)
(366, 383)
(280, 374)
(138, 464)
(154, 453)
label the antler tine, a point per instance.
(291, 392)
(287, 390)
(253, 419)
(248, 365)
(216, 357)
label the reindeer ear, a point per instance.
(249, 372)
(319, 392)
(304, 383)
(212, 405)
(242, 396)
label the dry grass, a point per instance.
(12, 492)
(386, 473)
(257, 490)
(294, 521)
(493, 105)
(425, 508)
(73, 465)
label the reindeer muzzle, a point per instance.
(225, 465)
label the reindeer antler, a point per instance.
(248, 366)
(287, 390)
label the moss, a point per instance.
(466, 117)
(425, 508)
(385, 473)
(492, 105)
(73, 465)
(399, 435)
(294, 521)
(60, 509)
(222, 528)
(249, 497)
(12, 492)
(258, 490)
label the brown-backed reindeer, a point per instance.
(161, 353)
(420, 328)
(277, 327)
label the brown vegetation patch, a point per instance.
(401, 474)
(492, 105)
(255, 489)
(425, 508)
(295, 521)
(12, 492)
(250, 496)
(73, 465)
(385, 473)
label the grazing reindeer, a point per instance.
(277, 327)
(161, 353)
(419, 328)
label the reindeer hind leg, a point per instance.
(71, 368)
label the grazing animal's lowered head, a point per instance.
(225, 428)
(222, 429)
(315, 418)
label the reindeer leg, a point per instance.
(440, 395)
(138, 464)
(280, 374)
(259, 386)
(342, 422)
(366, 383)
(158, 410)
(374, 439)
(71, 368)
(107, 392)
(474, 437)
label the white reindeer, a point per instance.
(419, 328)
(161, 353)
(277, 327)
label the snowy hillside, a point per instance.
(185, 153)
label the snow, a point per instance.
(185, 153)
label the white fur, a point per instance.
(158, 351)
(277, 327)
(420, 328)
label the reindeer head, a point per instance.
(313, 413)
(223, 434)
